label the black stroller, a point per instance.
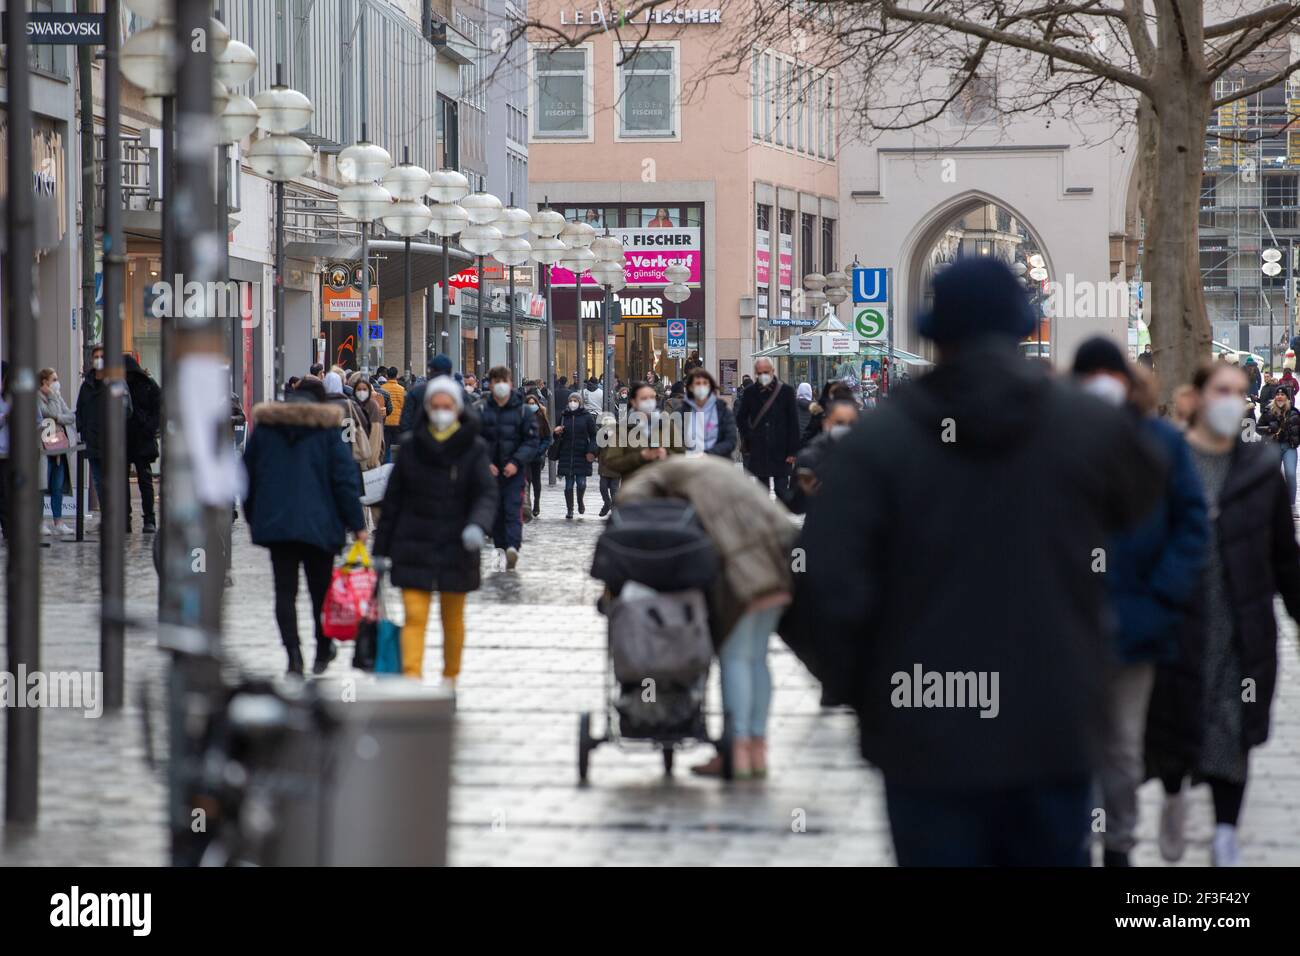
(657, 565)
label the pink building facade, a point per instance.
(733, 176)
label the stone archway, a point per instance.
(972, 223)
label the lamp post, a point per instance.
(677, 291)
(447, 188)
(362, 200)
(579, 236)
(548, 248)
(408, 216)
(481, 238)
(280, 157)
(814, 298)
(609, 271)
(238, 120)
(514, 250)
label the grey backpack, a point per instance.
(664, 637)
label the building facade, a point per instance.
(724, 174)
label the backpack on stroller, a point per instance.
(657, 563)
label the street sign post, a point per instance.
(870, 323)
(676, 338)
(871, 285)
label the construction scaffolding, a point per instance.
(1250, 200)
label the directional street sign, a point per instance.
(871, 285)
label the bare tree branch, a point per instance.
(1098, 66)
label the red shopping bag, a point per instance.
(350, 599)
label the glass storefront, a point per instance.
(641, 337)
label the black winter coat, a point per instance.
(146, 413)
(1260, 559)
(509, 430)
(302, 483)
(575, 443)
(969, 547)
(434, 491)
(1283, 429)
(767, 443)
(91, 400)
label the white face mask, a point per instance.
(765, 379)
(442, 418)
(1223, 415)
(98, 363)
(839, 431)
(1110, 390)
(501, 389)
(56, 387)
(363, 397)
(701, 393)
(573, 406)
(646, 405)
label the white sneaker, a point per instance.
(64, 529)
(1173, 827)
(45, 529)
(512, 558)
(1225, 851)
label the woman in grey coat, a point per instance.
(57, 420)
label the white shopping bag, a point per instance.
(376, 482)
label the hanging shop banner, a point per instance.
(341, 293)
(762, 257)
(647, 253)
(785, 262)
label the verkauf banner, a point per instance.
(647, 253)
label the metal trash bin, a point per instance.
(379, 779)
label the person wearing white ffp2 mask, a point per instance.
(1251, 557)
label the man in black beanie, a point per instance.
(953, 592)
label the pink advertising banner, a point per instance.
(786, 261)
(762, 257)
(647, 253)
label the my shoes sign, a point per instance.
(79, 29)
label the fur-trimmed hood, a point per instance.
(298, 414)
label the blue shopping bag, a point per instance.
(388, 650)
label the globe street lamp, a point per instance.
(515, 224)
(578, 236)
(408, 216)
(608, 270)
(447, 188)
(362, 200)
(481, 238)
(548, 249)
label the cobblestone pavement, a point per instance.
(534, 659)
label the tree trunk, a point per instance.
(1171, 133)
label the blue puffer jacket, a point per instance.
(509, 430)
(302, 483)
(1153, 570)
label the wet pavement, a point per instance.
(534, 659)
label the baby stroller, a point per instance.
(657, 565)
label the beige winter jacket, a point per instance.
(752, 533)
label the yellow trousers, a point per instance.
(452, 607)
